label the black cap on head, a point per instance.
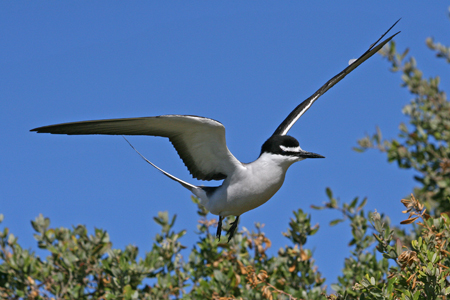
(272, 145)
(286, 145)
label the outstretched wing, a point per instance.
(199, 141)
(305, 105)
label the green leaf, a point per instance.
(430, 255)
(399, 247)
(128, 291)
(365, 283)
(378, 226)
(11, 239)
(333, 202)
(219, 276)
(337, 221)
(336, 287)
(362, 204)
(357, 149)
(317, 207)
(433, 259)
(416, 295)
(447, 290)
(353, 203)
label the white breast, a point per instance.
(250, 186)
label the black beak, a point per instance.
(306, 154)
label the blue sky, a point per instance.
(246, 64)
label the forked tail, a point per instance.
(185, 184)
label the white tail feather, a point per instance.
(185, 184)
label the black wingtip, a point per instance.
(290, 120)
(384, 34)
(35, 129)
(40, 130)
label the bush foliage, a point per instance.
(414, 261)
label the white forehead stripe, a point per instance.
(290, 149)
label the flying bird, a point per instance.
(200, 143)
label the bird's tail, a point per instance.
(190, 187)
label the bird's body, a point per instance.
(250, 186)
(200, 143)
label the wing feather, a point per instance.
(200, 142)
(290, 120)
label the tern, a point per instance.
(200, 143)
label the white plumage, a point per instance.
(200, 143)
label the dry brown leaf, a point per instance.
(409, 221)
(263, 275)
(304, 255)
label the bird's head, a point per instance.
(288, 146)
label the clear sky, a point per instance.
(246, 64)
